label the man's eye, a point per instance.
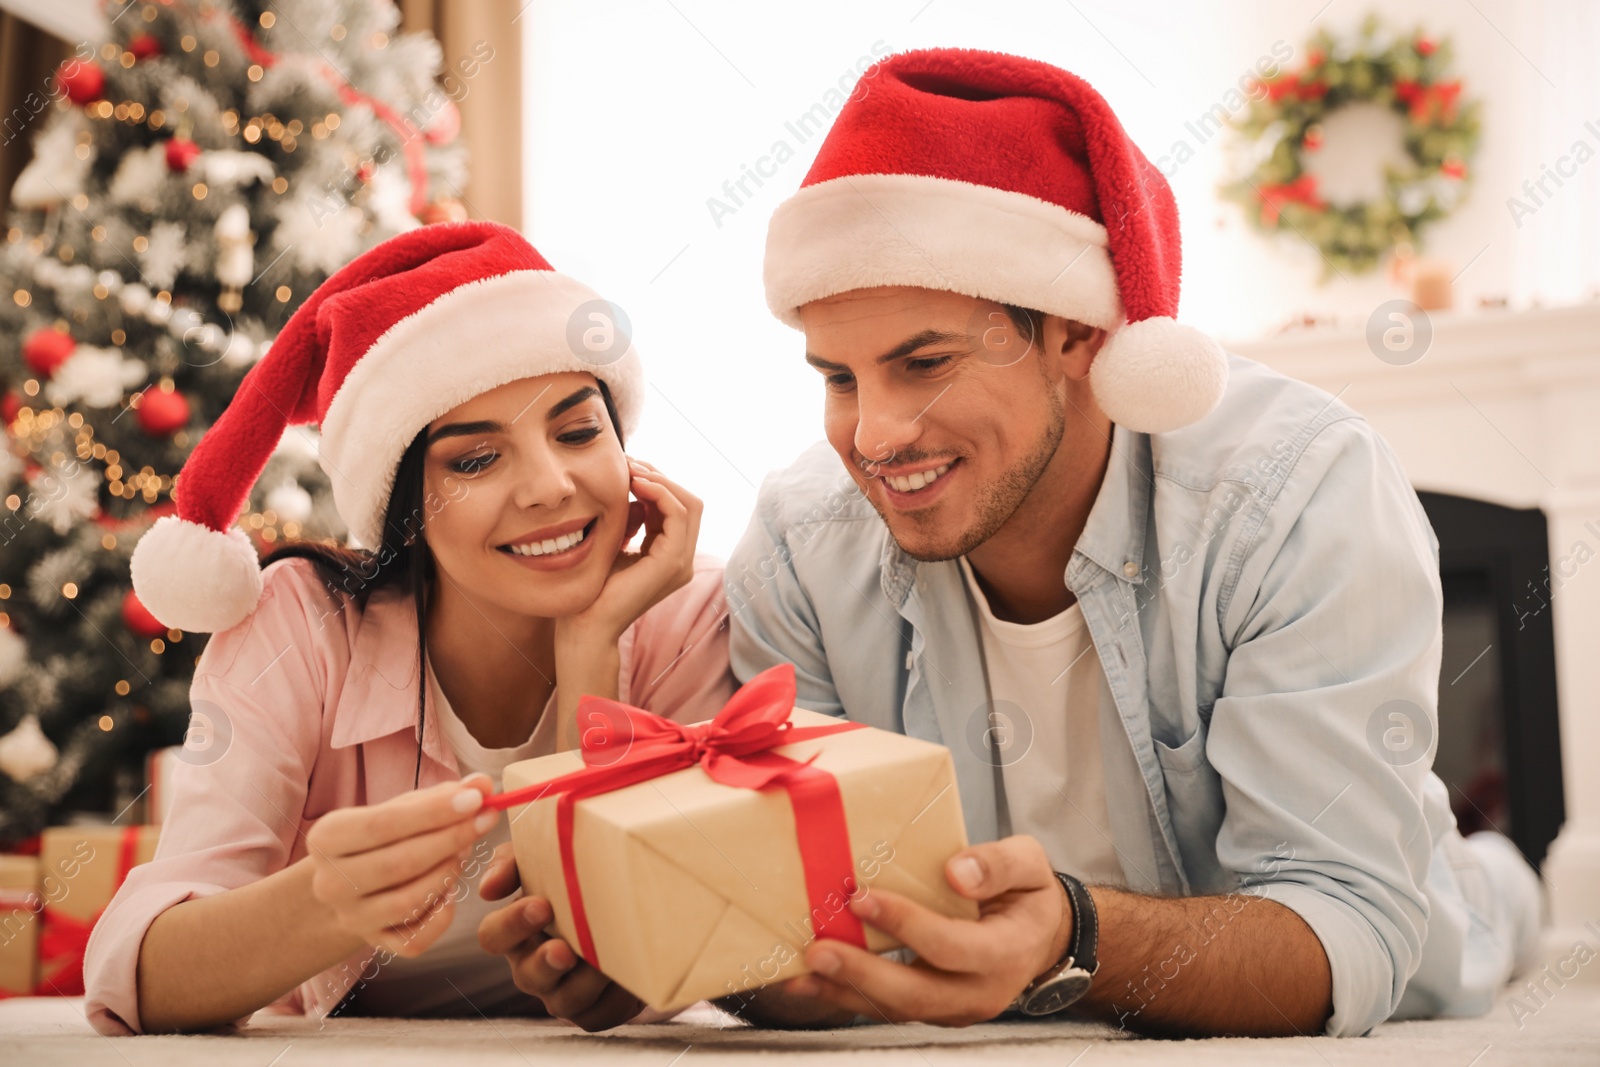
(840, 382)
(931, 363)
(579, 437)
(473, 464)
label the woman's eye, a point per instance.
(473, 464)
(579, 437)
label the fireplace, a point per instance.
(1499, 746)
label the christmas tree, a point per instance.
(199, 174)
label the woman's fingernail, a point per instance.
(485, 820)
(966, 871)
(824, 962)
(866, 907)
(467, 800)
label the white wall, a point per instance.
(639, 111)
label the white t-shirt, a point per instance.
(422, 985)
(1045, 685)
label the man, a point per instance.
(1176, 616)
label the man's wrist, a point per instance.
(1066, 925)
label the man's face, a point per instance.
(944, 411)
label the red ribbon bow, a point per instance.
(1303, 190)
(623, 745)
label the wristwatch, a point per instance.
(1069, 979)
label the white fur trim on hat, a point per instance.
(191, 577)
(869, 230)
(474, 338)
(1155, 375)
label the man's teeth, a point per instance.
(916, 481)
(556, 544)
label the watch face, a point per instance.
(1058, 992)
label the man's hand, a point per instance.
(966, 972)
(543, 966)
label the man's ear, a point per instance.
(1072, 345)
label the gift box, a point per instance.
(80, 870)
(20, 904)
(690, 862)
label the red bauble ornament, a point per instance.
(144, 46)
(1453, 168)
(180, 153)
(162, 413)
(1426, 46)
(46, 349)
(137, 618)
(10, 404)
(83, 82)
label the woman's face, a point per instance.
(525, 490)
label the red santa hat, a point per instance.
(405, 332)
(1010, 180)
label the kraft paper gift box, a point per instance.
(692, 889)
(20, 904)
(80, 870)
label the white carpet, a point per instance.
(53, 1031)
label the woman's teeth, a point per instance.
(544, 548)
(920, 480)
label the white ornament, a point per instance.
(290, 501)
(63, 499)
(240, 351)
(13, 656)
(99, 377)
(55, 174)
(226, 169)
(164, 254)
(389, 200)
(26, 752)
(158, 312)
(320, 234)
(140, 177)
(235, 248)
(135, 298)
(109, 280)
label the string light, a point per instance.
(123, 687)
(106, 724)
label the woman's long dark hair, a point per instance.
(401, 556)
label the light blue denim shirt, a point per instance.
(1261, 587)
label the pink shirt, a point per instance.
(316, 703)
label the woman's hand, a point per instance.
(544, 966)
(390, 872)
(670, 516)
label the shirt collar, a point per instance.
(380, 690)
(1113, 536)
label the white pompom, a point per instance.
(26, 751)
(194, 578)
(1155, 375)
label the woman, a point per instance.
(325, 861)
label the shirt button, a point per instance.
(1130, 569)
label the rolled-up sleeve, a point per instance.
(239, 793)
(1322, 734)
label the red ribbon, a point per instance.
(734, 748)
(1303, 190)
(64, 940)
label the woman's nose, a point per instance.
(544, 484)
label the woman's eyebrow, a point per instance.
(561, 407)
(465, 429)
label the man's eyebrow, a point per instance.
(904, 348)
(465, 429)
(561, 407)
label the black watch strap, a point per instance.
(1084, 945)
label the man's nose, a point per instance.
(887, 423)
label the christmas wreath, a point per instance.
(1285, 124)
